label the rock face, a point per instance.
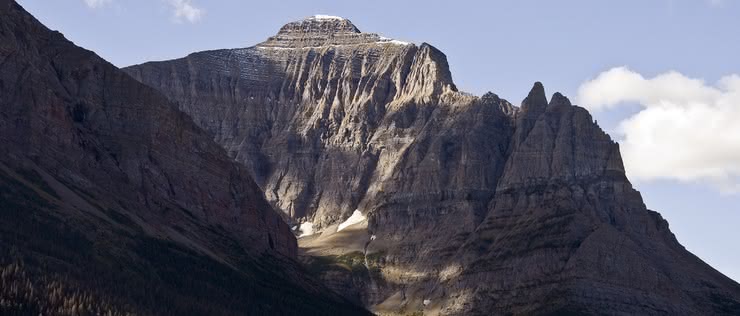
(305, 119)
(474, 206)
(320, 30)
(108, 187)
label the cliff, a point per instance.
(473, 205)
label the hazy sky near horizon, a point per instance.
(661, 76)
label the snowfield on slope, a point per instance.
(356, 218)
(306, 229)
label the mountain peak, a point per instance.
(559, 99)
(320, 24)
(323, 30)
(536, 101)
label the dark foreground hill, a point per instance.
(113, 202)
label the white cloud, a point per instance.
(686, 130)
(185, 9)
(181, 9)
(96, 3)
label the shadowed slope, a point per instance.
(114, 201)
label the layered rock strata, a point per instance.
(474, 206)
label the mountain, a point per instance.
(459, 205)
(112, 201)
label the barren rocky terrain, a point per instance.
(472, 205)
(324, 171)
(113, 202)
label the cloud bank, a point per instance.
(686, 130)
(96, 3)
(186, 10)
(182, 10)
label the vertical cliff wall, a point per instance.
(473, 205)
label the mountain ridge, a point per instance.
(112, 201)
(473, 205)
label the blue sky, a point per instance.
(669, 64)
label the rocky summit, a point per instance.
(411, 196)
(320, 30)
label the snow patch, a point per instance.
(356, 218)
(427, 302)
(306, 229)
(388, 40)
(326, 17)
(395, 42)
(373, 237)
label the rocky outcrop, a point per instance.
(474, 206)
(567, 233)
(320, 30)
(107, 186)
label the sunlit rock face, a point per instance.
(311, 122)
(473, 205)
(319, 30)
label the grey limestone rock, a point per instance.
(476, 206)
